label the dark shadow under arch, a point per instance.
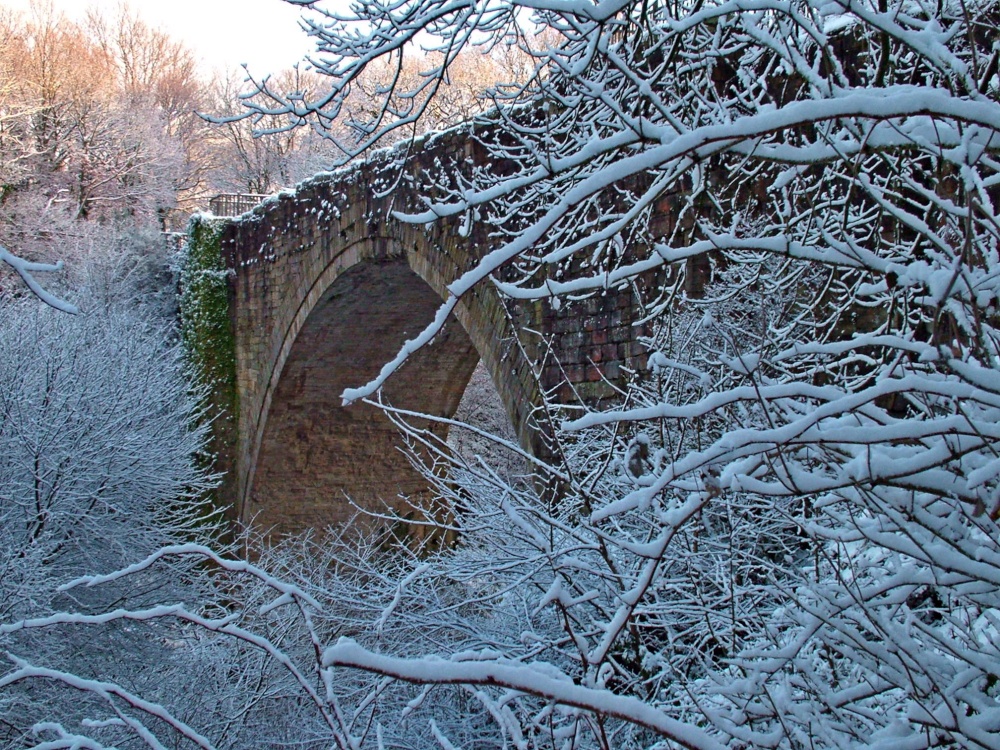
(315, 453)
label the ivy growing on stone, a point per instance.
(207, 335)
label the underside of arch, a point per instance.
(319, 459)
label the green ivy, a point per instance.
(206, 332)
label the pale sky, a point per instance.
(222, 33)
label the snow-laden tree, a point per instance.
(98, 468)
(98, 446)
(786, 536)
(843, 154)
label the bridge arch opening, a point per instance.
(316, 459)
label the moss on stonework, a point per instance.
(207, 334)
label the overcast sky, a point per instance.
(223, 33)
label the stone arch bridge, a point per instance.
(325, 286)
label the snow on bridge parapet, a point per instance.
(326, 287)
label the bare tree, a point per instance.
(98, 459)
(262, 163)
(99, 130)
(159, 72)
